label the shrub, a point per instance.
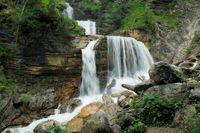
(6, 84)
(57, 129)
(196, 129)
(158, 111)
(188, 51)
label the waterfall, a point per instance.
(89, 26)
(128, 60)
(69, 11)
(90, 82)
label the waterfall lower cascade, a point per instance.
(90, 82)
(129, 61)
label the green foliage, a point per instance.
(197, 67)
(196, 37)
(188, 51)
(8, 49)
(57, 129)
(89, 4)
(158, 111)
(25, 98)
(141, 15)
(6, 84)
(138, 127)
(196, 129)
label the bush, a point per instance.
(158, 111)
(57, 129)
(196, 129)
(6, 84)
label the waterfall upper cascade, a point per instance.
(88, 25)
(90, 82)
(129, 61)
(69, 11)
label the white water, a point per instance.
(90, 82)
(61, 118)
(89, 26)
(128, 60)
(69, 11)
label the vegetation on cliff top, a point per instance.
(30, 22)
(134, 13)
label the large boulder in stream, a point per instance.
(45, 127)
(163, 73)
(98, 123)
(90, 109)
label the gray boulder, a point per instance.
(163, 73)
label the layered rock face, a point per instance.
(41, 82)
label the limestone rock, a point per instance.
(173, 89)
(45, 127)
(184, 118)
(107, 99)
(90, 109)
(98, 123)
(195, 93)
(163, 73)
(68, 90)
(75, 125)
(139, 87)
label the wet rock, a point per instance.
(139, 87)
(75, 125)
(90, 109)
(163, 73)
(98, 123)
(70, 106)
(45, 127)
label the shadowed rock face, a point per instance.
(44, 81)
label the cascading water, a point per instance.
(69, 11)
(128, 60)
(90, 82)
(89, 26)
